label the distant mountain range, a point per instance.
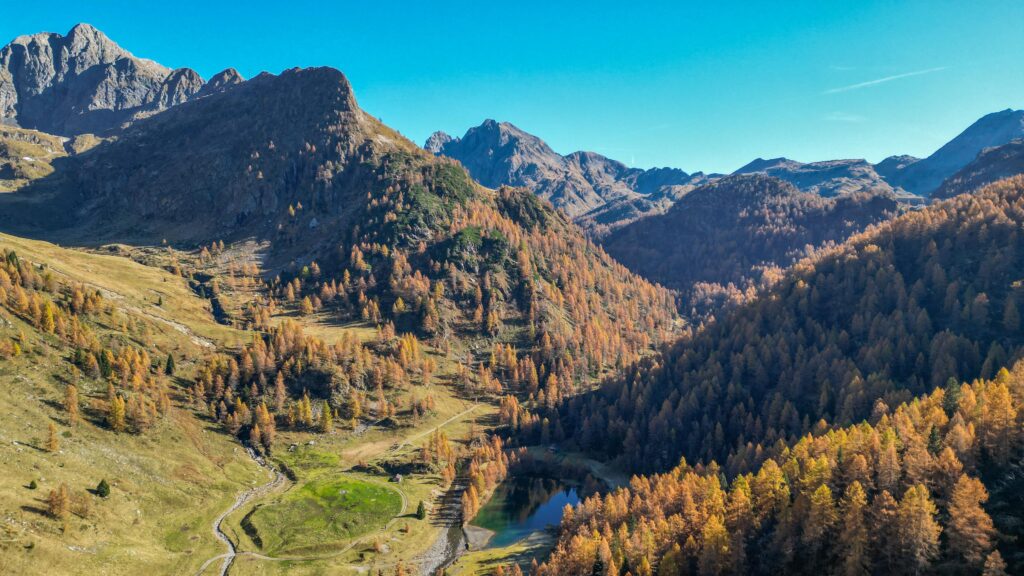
(585, 185)
(603, 194)
(85, 83)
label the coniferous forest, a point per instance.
(248, 327)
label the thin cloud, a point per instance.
(845, 117)
(878, 81)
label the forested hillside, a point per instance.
(899, 494)
(892, 313)
(723, 238)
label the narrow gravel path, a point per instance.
(242, 499)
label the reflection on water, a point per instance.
(524, 505)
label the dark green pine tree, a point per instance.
(935, 443)
(169, 366)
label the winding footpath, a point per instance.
(242, 499)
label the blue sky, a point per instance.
(696, 85)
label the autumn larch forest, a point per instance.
(248, 327)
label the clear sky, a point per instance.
(695, 85)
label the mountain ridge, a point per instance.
(995, 129)
(581, 183)
(991, 164)
(827, 178)
(737, 231)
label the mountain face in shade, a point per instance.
(992, 164)
(892, 165)
(925, 176)
(828, 178)
(499, 153)
(84, 83)
(234, 158)
(221, 81)
(727, 231)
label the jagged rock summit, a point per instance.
(83, 82)
(437, 141)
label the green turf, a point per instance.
(323, 513)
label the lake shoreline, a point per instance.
(477, 537)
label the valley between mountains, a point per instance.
(248, 328)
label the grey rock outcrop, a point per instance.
(221, 81)
(437, 141)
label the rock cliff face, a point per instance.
(85, 83)
(437, 141)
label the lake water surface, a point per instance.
(521, 506)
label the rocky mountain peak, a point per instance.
(221, 81)
(83, 82)
(437, 141)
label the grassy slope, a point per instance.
(26, 155)
(133, 287)
(167, 485)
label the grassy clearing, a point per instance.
(333, 456)
(323, 512)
